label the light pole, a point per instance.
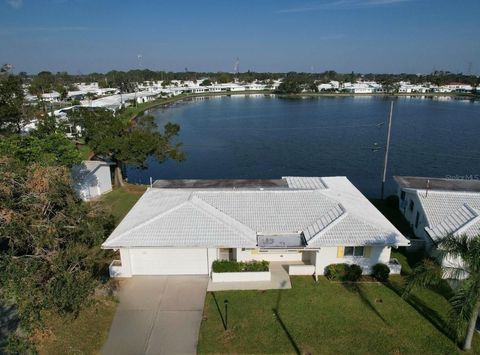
(387, 148)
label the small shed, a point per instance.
(92, 179)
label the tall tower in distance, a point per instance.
(236, 67)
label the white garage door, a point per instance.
(168, 261)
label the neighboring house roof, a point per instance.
(324, 211)
(450, 212)
(438, 184)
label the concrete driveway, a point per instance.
(157, 315)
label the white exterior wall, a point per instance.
(321, 258)
(328, 255)
(104, 180)
(273, 255)
(126, 265)
(411, 215)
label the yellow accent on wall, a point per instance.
(254, 252)
(367, 251)
(340, 252)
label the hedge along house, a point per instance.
(182, 226)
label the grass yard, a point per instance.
(85, 334)
(328, 318)
(121, 200)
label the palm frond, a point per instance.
(462, 247)
(426, 274)
(455, 246)
(463, 303)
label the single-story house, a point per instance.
(182, 226)
(436, 207)
(91, 179)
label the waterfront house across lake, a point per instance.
(181, 226)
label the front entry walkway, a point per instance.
(157, 315)
(279, 280)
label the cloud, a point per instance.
(15, 4)
(342, 5)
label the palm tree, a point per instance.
(465, 301)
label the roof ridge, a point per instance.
(147, 222)
(224, 218)
(443, 226)
(332, 222)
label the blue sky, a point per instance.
(82, 36)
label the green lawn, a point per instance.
(121, 200)
(85, 334)
(328, 318)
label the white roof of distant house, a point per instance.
(326, 211)
(449, 205)
(52, 95)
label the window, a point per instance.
(417, 219)
(411, 205)
(354, 251)
(402, 195)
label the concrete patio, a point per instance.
(279, 280)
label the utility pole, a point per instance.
(387, 148)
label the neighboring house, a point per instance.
(51, 97)
(437, 207)
(92, 179)
(182, 226)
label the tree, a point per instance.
(206, 82)
(43, 147)
(12, 117)
(125, 141)
(290, 85)
(225, 78)
(465, 301)
(50, 255)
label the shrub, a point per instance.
(343, 272)
(354, 272)
(336, 272)
(236, 266)
(380, 272)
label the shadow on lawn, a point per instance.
(219, 311)
(428, 313)
(276, 312)
(355, 287)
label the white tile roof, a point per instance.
(329, 211)
(305, 182)
(451, 212)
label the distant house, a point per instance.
(437, 207)
(92, 179)
(51, 97)
(181, 226)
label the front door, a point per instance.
(225, 254)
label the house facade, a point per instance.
(91, 179)
(181, 227)
(438, 207)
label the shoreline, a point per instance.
(141, 108)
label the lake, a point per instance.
(269, 137)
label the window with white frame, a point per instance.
(354, 251)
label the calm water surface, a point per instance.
(270, 137)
